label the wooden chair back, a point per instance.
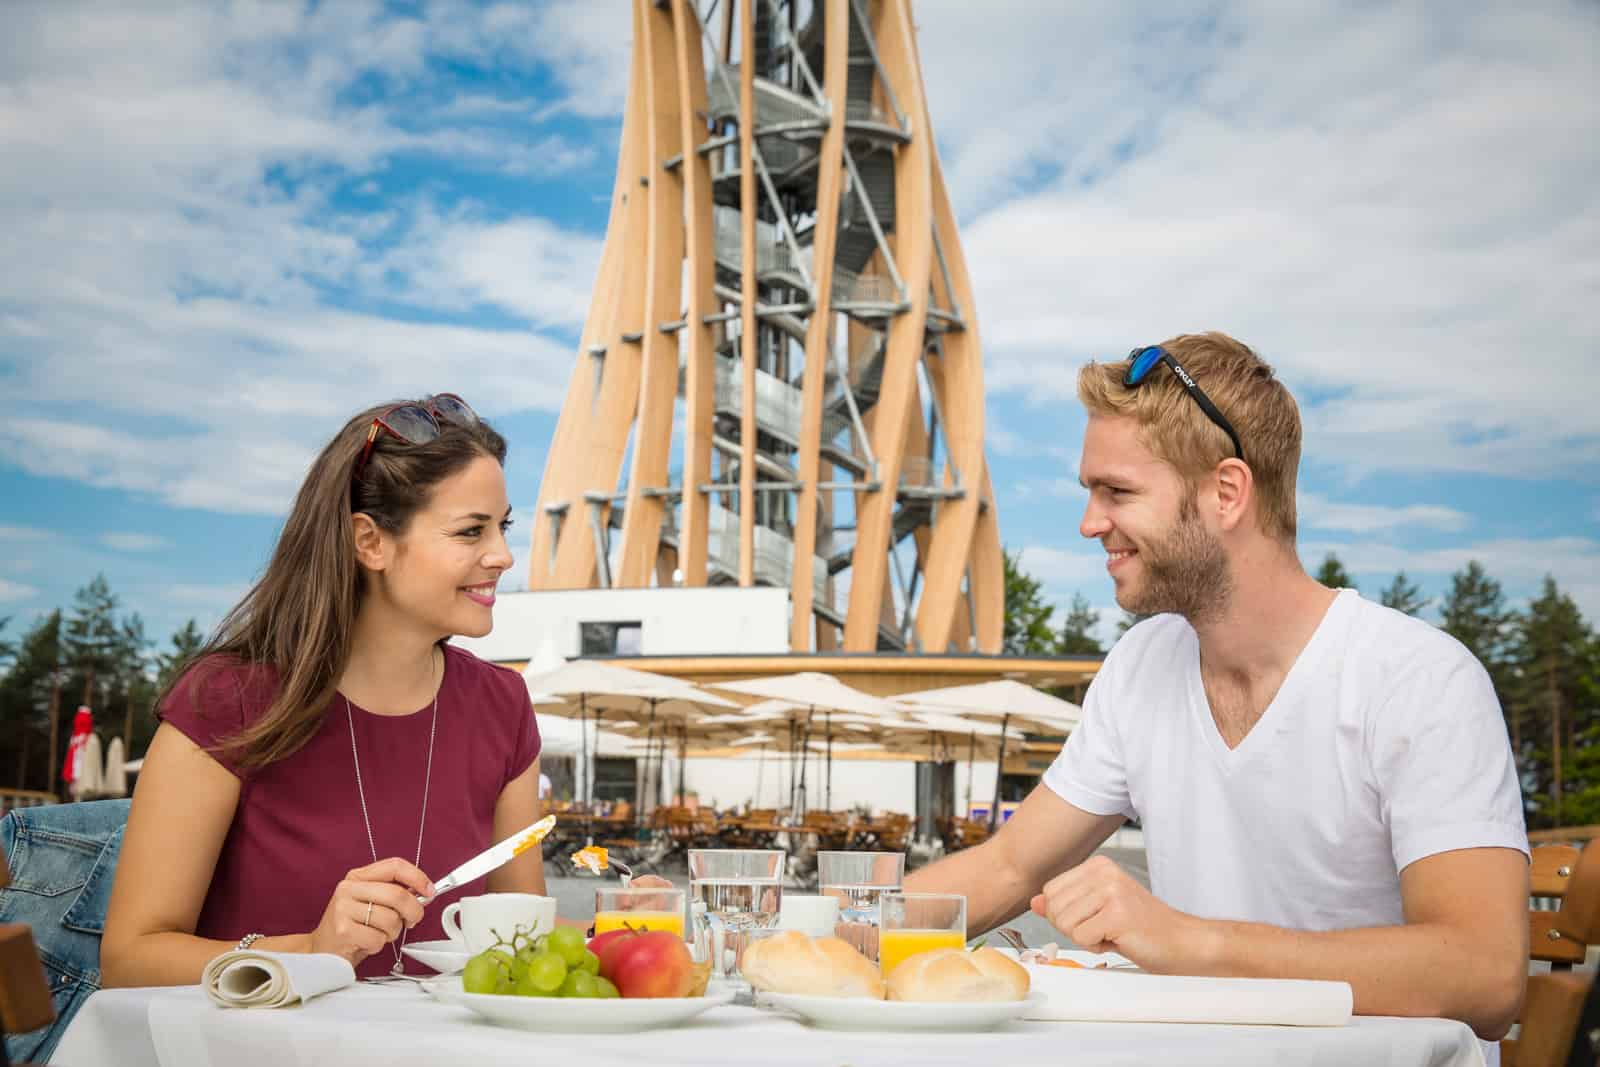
(1552, 875)
(24, 991)
(1554, 1001)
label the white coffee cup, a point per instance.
(478, 923)
(809, 913)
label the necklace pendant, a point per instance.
(398, 970)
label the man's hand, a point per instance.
(649, 881)
(1101, 908)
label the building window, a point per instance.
(609, 638)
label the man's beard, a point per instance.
(1185, 573)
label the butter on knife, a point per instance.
(495, 856)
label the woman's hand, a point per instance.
(370, 908)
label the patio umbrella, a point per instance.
(116, 780)
(90, 771)
(815, 692)
(950, 729)
(582, 686)
(1004, 700)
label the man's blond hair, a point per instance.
(1173, 427)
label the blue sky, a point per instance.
(227, 228)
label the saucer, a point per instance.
(446, 957)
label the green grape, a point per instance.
(590, 964)
(547, 971)
(605, 990)
(580, 984)
(481, 974)
(525, 986)
(567, 942)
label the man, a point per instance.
(1325, 785)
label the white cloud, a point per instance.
(1317, 512)
(15, 591)
(1063, 567)
(182, 227)
(134, 542)
(22, 533)
(1391, 204)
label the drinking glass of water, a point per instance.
(857, 880)
(732, 892)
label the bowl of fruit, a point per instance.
(620, 981)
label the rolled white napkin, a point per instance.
(253, 979)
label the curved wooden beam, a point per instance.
(913, 252)
(819, 332)
(700, 341)
(658, 382)
(749, 350)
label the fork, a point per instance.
(1012, 938)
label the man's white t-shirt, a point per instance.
(1385, 744)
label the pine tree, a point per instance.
(1552, 665)
(30, 696)
(1333, 575)
(92, 637)
(1077, 630)
(1474, 612)
(1129, 620)
(186, 641)
(1027, 627)
(1404, 595)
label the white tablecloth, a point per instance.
(399, 1026)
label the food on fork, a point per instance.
(791, 962)
(591, 858)
(949, 974)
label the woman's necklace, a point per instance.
(398, 970)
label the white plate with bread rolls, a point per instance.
(861, 1013)
(831, 985)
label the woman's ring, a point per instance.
(368, 920)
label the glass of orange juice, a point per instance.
(909, 923)
(641, 909)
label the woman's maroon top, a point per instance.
(298, 827)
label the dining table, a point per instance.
(399, 1025)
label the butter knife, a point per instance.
(494, 856)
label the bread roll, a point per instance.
(953, 974)
(791, 962)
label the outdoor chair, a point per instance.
(24, 991)
(1555, 1001)
(61, 859)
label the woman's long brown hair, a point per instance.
(297, 621)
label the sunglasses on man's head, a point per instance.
(1141, 361)
(417, 422)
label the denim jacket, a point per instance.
(62, 859)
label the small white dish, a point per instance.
(572, 1015)
(446, 957)
(862, 1013)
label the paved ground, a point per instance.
(575, 896)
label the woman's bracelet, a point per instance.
(246, 941)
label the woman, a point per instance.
(327, 746)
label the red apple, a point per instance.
(653, 964)
(598, 943)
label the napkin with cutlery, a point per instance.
(254, 979)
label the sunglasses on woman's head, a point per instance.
(417, 422)
(1141, 361)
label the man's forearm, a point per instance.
(995, 892)
(1419, 969)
